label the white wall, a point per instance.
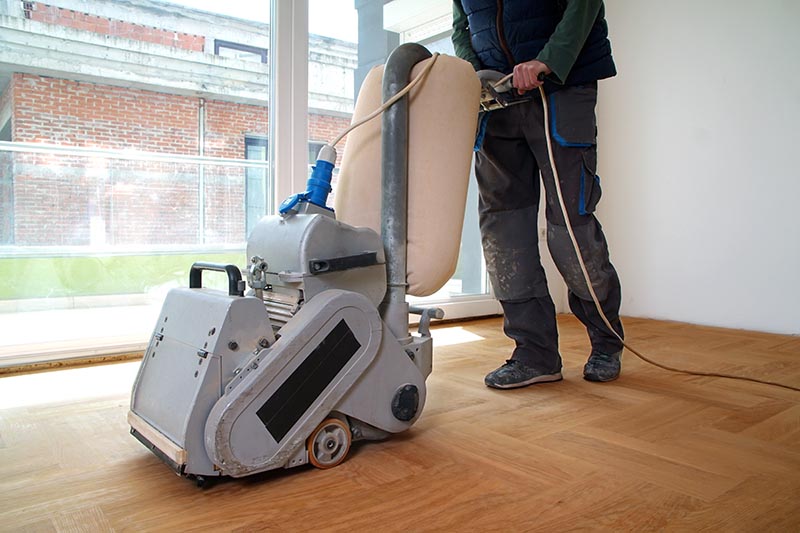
(700, 160)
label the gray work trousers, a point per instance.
(508, 167)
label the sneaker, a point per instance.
(514, 374)
(602, 367)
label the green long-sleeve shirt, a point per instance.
(562, 48)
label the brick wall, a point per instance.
(227, 125)
(62, 200)
(117, 28)
(75, 113)
(326, 127)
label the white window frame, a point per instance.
(289, 97)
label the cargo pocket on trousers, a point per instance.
(590, 191)
(572, 117)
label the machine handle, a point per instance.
(234, 276)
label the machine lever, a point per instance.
(426, 314)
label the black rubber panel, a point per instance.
(336, 264)
(295, 395)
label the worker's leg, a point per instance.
(573, 131)
(509, 198)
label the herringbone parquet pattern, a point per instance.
(651, 451)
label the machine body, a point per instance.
(233, 385)
(291, 365)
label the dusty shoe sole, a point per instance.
(546, 378)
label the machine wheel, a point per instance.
(329, 443)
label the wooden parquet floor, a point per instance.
(652, 451)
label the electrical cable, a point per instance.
(388, 102)
(588, 279)
(319, 183)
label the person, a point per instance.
(567, 41)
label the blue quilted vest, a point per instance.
(526, 27)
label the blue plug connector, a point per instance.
(319, 183)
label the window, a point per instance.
(240, 51)
(256, 182)
(126, 166)
(149, 154)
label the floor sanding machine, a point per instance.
(309, 352)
